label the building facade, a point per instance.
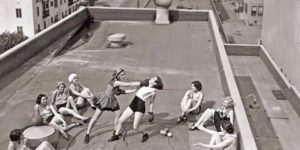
(250, 11)
(32, 16)
(281, 36)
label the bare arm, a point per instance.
(198, 103)
(72, 88)
(152, 103)
(130, 91)
(124, 84)
(231, 116)
(210, 131)
(53, 100)
(223, 144)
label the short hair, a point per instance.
(61, 83)
(117, 72)
(159, 84)
(229, 101)
(197, 85)
(15, 134)
(227, 126)
(39, 98)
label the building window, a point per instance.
(51, 19)
(70, 11)
(38, 11)
(64, 1)
(45, 25)
(260, 11)
(51, 4)
(45, 5)
(60, 2)
(66, 13)
(253, 11)
(55, 3)
(246, 8)
(39, 28)
(62, 15)
(70, 2)
(20, 29)
(19, 13)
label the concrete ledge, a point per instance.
(144, 14)
(290, 90)
(242, 49)
(247, 140)
(17, 55)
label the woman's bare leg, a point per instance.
(208, 114)
(118, 114)
(95, 117)
(126, 114)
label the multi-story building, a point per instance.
(32, 16)
(281, 36)
(250, 11)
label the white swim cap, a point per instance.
(71, 77)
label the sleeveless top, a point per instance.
(194, 96)
(77, 87)
(144, 91)
(224, 113)
(45, 112)
(232, 146)
(60, 98)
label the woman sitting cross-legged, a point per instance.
(51, 117)
(225, 112)
(226, 139)
(138, 108)
(62, 103)
(191, 101)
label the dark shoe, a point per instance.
(87, 139)
(94, 107)
(193, 128)
(113, 138)
(184, 118)
(179, 120)
(145, 137)
(86, 120)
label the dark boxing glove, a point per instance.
(144, 83)
(120, 91)
(151, 118)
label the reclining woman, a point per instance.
(225, 112)
(51, 117)
(79, 93)
(107, 101)
(226, 139)
(191, 101)
(138, 108)
(62, 103)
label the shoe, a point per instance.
(193, 128)
(113, 138)
(184, 118)
(87, 138)
(86, 120)
(179, 120)
(145, 137)
(94, 107)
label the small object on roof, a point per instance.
(116, 40)
(166, 132)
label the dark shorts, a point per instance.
(61, 105)
(138, 105)
(48, 120)
(218, 120)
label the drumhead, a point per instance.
(38, 132)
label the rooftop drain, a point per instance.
(162, 11)
(116, 40)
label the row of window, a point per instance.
(257, 11)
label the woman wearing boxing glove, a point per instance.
(138, 108)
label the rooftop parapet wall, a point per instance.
(145, 14)
(19, 54)
(247, 141)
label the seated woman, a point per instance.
(61, 102)
(226, 139)
(137, 107)
(17, 142)
(79, 93)
(51, 117)
(225, 112)
(191, 101)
